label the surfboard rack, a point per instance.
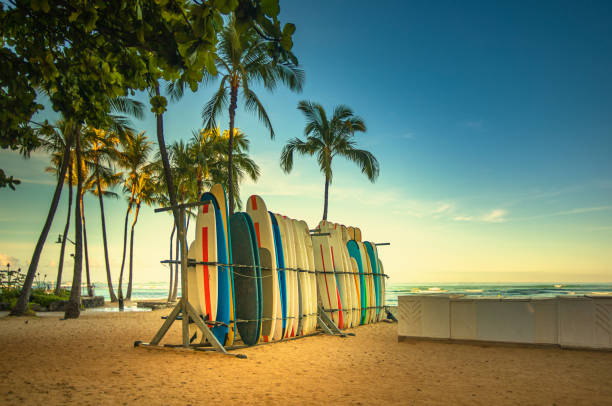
(183, 310)
(328, 326)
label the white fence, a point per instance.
(579, 322)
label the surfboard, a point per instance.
(383, 288)
(258, 211)
(351, 232)
(370, 283)
(311, 316)
(294, 293)
(340, 271)
(282, 277)
(358, 234)
(202, 279)
(247, 287)
(218, 191)
(352, 265)
(355, 253)
(326, 279)
(303, 280)
(224, 287)
(290, 276)
(373, 256)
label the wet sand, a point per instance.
(92, 361)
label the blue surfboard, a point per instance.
(374, 265)
(353, 250)
(224, 283)
(280, 261)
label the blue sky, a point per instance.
(492, 123)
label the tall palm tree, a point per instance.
(103, 151)
(133, 158)
(327, 139)
(244, 59)
(145, 194)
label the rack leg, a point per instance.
(164, 328)
(200, 323)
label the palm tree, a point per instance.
(24, 297)
(133, 158)
(327, 139)
(55, 143)
(103, 150)
(244, 59)
(145, 194)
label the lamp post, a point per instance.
(59, 240)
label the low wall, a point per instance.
(578, 322)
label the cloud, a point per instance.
(495, 216)
(9, 259)
(582, 210)
(409, 135)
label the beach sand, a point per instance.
(92, 361)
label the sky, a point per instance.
(492, 123)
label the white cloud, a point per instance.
(463, 218)
(9, 259)
(495, 216)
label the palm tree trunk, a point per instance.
(24, 296)
(171, 280)
(60, 267)
(128, 295)
(125, 226)
(232, 114)
(109, 280)
(89, 290)
(73, 307)
(325, 198)
(168, 176)
(176, 270)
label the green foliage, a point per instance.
(84, 53)
(38, 296)
(9, 294)
(45, 299)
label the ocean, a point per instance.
(159, 290)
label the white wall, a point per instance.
(583, 322)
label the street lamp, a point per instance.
(59, 240)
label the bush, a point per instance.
(45, 299)
(7, 294)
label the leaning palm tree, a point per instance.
(22, 302)
(243, 60)
(55, 143)
(327, 139)
(133, 158)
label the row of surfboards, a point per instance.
(261, 276)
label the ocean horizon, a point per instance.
(159, 290)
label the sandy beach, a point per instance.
(92, 361)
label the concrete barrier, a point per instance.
(585, 322)
(578, 322)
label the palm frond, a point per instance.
(252, 104)
(215, 105)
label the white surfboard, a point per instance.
(326, 279)
(271, 325)
(290, 276)
(311, 318)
